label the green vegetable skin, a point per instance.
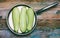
(30, 14)
(23, 19)
(15, 18)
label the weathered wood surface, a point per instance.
(47, 19)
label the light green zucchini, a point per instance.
(30, 14)
(23, 19)
(15, 18)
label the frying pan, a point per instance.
(38, 12)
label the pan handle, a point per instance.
(46, 8)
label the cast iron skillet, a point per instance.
(38, 12)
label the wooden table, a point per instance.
(47, 19)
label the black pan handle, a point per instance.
(46, 8)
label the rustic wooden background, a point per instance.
(48, 19)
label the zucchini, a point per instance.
(23, 19)
(15, 18)
(30, 14)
